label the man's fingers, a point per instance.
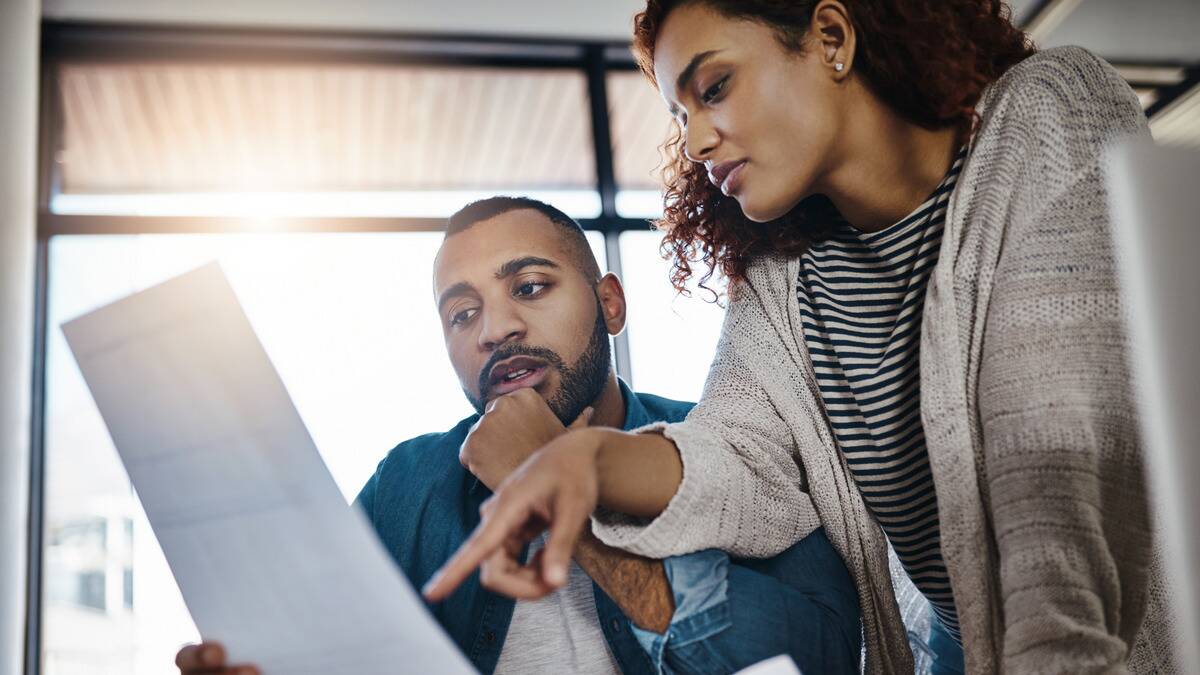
(203, 655)
(208, 658)
(584, 418)
(570, 515)
(188, 657)
(502, 520)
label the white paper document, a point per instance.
(271, 560)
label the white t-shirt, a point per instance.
(559, 633)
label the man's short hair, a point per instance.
(491, 207)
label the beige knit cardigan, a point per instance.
(1025, 396)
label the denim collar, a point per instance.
(635, 413)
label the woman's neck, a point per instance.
(888, 166)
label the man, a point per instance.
(527, 316)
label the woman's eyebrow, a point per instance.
(685, 78)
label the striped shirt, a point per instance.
(861, 299)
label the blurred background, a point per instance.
(312, 148)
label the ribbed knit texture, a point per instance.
(1025, 398)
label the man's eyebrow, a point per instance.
(461, 288)
(517, 264)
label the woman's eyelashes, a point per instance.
(711, 94)
(706, 97)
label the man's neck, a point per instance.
(609, 406)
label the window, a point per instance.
(672, 338)
(303, 140)
(641, 125)
(78, 566)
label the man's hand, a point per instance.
(208, 658)
(512, 428)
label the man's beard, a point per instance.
(581, 382)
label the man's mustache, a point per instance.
(507, 352)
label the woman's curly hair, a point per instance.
(929, 60)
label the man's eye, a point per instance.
(459, 318)
(712, 92)
(528, 289)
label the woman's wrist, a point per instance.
(596, 443)
(636, 474)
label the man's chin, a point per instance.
(493, 395)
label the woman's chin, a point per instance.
(758, 212)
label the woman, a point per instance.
(923, 345)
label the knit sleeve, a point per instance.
(1063, 463)
(742, 489)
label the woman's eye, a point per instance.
(712, 92)
(459, 318)
(531, 288)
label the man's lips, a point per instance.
(516, 373)
(520, 380)
(725, 174)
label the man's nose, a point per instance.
(499, 327)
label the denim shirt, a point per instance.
(729, 614)
(424, 505)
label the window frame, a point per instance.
(64, 42)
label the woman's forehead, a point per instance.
(695, 31)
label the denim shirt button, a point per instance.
(489, 637)
(616, 625)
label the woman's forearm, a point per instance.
(638, 474)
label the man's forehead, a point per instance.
(482, 249)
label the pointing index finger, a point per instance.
(483, 542)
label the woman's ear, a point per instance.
(833, 33)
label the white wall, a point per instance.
(18, 137)
(597, 19)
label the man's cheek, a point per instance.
(549, 386)
(469, 380)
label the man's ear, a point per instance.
(612, 302)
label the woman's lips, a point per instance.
(725, 174)
(733, 179)
(530, 377)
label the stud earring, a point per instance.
(839, 67)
